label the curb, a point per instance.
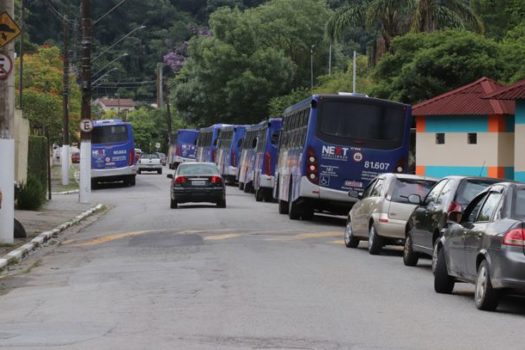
(65, 192)
(15, 256)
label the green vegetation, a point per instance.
(32, 194)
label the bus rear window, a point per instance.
(109, 134)
(361, 124)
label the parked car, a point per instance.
(381, 214)
(486, 247)
(162, 157)
(450, 195)
(75, 157)
(149, 162)
(197, 182)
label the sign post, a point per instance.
(8, 32)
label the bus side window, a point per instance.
(275, 138)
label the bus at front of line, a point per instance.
(247, 163)
(112, 152)
(332, 144)
(207, 143)
(183, 147)
(266, 159)
(229, 151)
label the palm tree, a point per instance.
(390, 18)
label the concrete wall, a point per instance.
(519, 142)
(492, 155)
(21, 146)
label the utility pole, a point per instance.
(160, 86)
(21, 65)
(168, 114)
(85, 137)
(7, 142)
(65, 81)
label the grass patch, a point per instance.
(56, 179)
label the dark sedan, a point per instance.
(487, 247)
(451, 194)
(197, 182)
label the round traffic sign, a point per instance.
(86, 125)
(6, 66)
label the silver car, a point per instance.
(380, 216)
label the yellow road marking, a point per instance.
(318, 235)
(339, 242)
(221, 237)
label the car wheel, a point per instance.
(241, 186)
(259, 195)
(173, 204)
(410, 258)
(486, 297)
(294, 213)
(139, 172)
(221, 203)
(350, 240)
(159, 171)
(283, 207)
(443, 283)
(374, 241)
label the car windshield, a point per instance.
(470, 189)
(197, 169)
(405, 187)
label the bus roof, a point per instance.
(306, 102)
(214, 126)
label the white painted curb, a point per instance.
(18, 254)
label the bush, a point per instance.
(37, 159)
(32, 194)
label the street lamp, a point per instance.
(117, 42)
(110, 63)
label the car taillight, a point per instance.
(267, 170)
(312, 170)
(454, 207)
(215, 180)
(233, 158)
(179, 180)
(515, 238)
(131, 159)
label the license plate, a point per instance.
(198, 183)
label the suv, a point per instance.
(425, 225)
(149, 162)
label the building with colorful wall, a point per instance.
(462, 132)
(516, 94)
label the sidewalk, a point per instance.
(60, 209)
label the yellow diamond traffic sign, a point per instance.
(9, 30)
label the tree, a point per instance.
(391, 18)
(252, 56)
(43, 93)
(424, 65)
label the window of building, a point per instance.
(440, 138)
(473, 138)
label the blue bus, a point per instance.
(331, 144)
(183, 147)
(247, 162)
(207, 143)
(112, 152)
(229, 149)
(266, 156)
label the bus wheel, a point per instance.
(241, 186)
(307, 212)
(132, 180)
(259, 195)
(283, 207)
(268, 196)
(294, 212)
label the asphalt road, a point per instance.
(147, 277)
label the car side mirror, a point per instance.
(455, 216)
(415, 199)
(169, 176)
(355, 194)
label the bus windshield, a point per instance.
(109, 134)
(361, 124)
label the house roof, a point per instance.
(117, 102)
(466, 100)
(513, 92)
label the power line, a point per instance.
(57, 13)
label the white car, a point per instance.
(149, 162)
